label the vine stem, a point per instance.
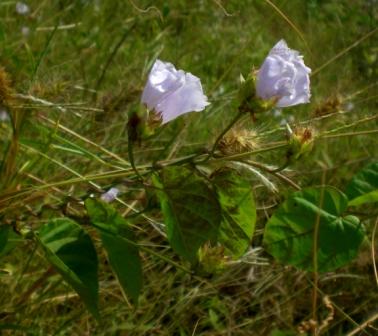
(130, 151)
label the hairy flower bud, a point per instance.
(238, 141)
(301, 142)
(212, 259)
(332, 104)
(172, 92)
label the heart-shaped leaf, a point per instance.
(363, 188)
(191, 210)
(289, 233)
(235, 196)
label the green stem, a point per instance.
(182, 160)
(254, 152)
(196, 158)
(130, 151)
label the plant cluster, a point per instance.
(202, 204)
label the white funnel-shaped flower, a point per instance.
(172, 92)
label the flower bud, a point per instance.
(212, 259)
(300, 141)
(332, 104)
(238, 141)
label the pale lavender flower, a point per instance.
(349, 106)
(25, 31)
(4, 116)
(284, 76)
(22, 8)
(172, 92)
(110, 195)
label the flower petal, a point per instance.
(162, 80)
(187, 98)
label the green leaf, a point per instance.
(238, 211)
(118, 241)
(191, 210)
(363, 188)
(71, 252)
(289, 233)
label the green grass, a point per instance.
(82, 69)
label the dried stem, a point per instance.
(363, 325)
